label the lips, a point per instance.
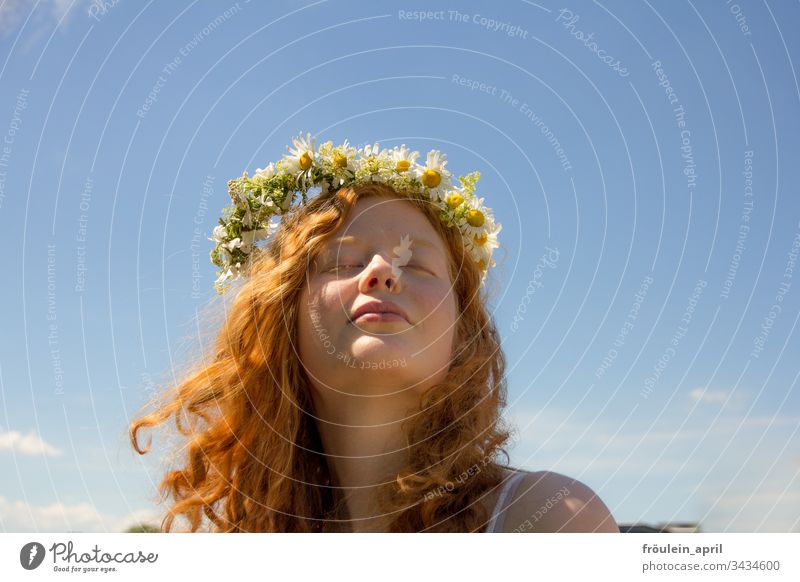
(379, 307)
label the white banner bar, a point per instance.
(389, 557)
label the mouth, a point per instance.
(379, 311)
(369, 317)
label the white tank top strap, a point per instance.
(496, 523)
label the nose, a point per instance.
(380, 274)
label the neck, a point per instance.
(364, 446)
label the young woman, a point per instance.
(358, 380)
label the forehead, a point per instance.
(386, 209)
(376, 219)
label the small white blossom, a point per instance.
(266, 173)
(219, 234)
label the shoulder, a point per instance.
(546, 501)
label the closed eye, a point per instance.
(419, 267)
(361, 266)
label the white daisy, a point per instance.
(373, 163)
(300, 160)
(433, 175)
(340, 161)
(403, 159)
(482, 245)
(478, 217)
(453, 200)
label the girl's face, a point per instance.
(386, 252)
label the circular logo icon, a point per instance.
(31, 555)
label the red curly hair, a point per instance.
(253, 457)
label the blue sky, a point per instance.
(640, 156)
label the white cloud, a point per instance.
(30, 444)
(48, 14)
(11, 14)
(18, 516)
(706, 395)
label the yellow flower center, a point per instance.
(480, 239)
(305, 161)
(482, 265)
(455, 200)
(403, 165)
(339, 161)
(431, 178)
(475, 218)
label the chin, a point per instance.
(376, 348)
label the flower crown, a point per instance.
(271, 191)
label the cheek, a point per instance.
(442, 311)
(322, 308)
